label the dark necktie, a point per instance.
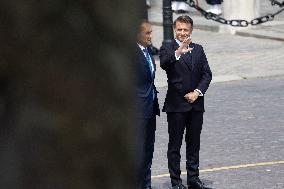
(148, 58)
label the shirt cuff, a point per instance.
(177, 57)
(199, 91)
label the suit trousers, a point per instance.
(147, 128)
(178, 122)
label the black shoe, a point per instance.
(179, 186)
(196, 183)
(148, 187)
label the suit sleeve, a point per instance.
(167, 57)
(206, 74)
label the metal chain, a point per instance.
(275, 2)
(239, 22)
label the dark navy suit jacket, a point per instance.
(148, 106)
(185, 75)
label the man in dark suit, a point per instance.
(189, 76)
(147, 102)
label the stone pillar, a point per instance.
(239, 9)
(66, 94)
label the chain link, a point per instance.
(237, 23)
(275, 2)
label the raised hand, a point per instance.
(184, 47)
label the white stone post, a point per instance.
(239, 9)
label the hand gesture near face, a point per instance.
(184, 47)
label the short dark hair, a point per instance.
(184, 19)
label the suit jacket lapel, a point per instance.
(145, 62)
(175, 45)
(142, 57)
(192, 54)
(186, 59)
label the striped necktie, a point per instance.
(149, 60)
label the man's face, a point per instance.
(182, 30)
(145, 35)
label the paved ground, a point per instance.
(244, 124)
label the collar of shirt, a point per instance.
(141, 47)
(178, 42)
